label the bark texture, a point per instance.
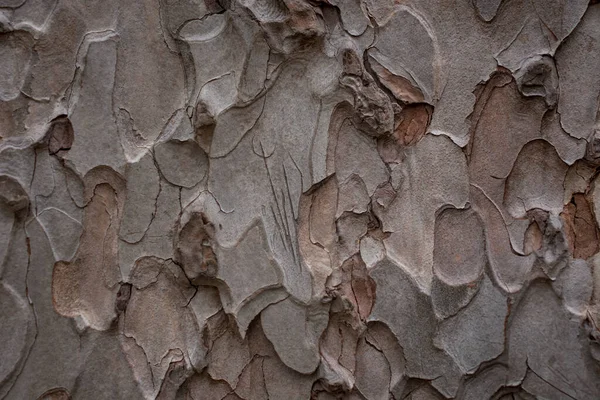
(293, 199)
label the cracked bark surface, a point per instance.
(294, 199)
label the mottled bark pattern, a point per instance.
(299, 199)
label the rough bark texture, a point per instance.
(293, 199)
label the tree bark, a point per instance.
(293, 199)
